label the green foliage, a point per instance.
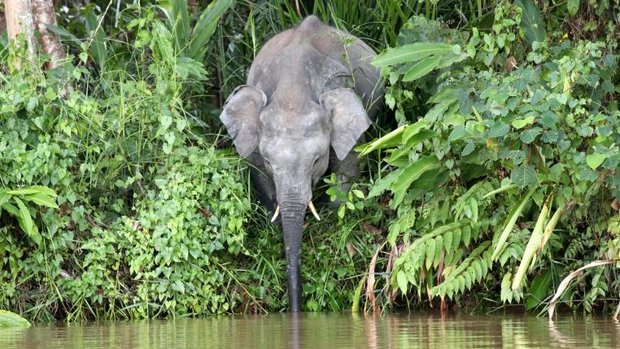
(13, 201)
(149, 213)
(191, 42)
(169, 255)
(539, 124)
(499, 178)
(353, 200)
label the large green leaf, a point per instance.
(523, 176)
(412, 141)
(401, 280)
(521, 123)
(420, 137)
(180, 17)
(411, 53)
(412, 172)
(33, 189)
(97, 39)
(414, 129)
(539, 289)
(429, 253)
(11, 209)
(429, 181)
(499, 129)
(531, 21)
(595, 160)
(422, 68)
(448, 95)
(205, 27)
(10, 319)
(41, 199)
(23, 191)
(528, 136)
(511, 220)
(382, 184)
(533, 246)
(177, 14)
(572, 7)
(389, 140)
(4, 198)
(25, 221)
(187, 67)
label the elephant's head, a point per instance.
(293, 137)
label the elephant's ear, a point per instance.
(240, 116)
(349, 119)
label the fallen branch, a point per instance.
(569, 278)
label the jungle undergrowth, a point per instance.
(155, 215)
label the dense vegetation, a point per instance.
(493, 175)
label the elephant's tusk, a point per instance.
(313, 210)
(275, 214)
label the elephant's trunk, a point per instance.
(292, 226)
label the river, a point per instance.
(327, 330)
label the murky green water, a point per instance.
(327, 331)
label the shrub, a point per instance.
(169, 256)
(506, 138)
(149, 211)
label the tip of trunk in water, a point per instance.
(292, 228)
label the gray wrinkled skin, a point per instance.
(309, 94)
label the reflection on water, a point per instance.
(327, 331)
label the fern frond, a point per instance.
(471, 271)
(427, 252)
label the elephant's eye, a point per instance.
(268, 165)
(316, 162)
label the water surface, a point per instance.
(327, 330)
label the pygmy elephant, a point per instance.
(309, 94)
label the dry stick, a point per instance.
(297, 7)
(396, 251)
(118, 10)
(370, 282)
(564, 284)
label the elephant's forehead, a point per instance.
(292, 148)
(298, 130)
(294, 142)
(282, 120)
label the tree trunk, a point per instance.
(44, 14)
(2, 23)
(26, 16)
(19, 20)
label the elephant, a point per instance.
(310, 94)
